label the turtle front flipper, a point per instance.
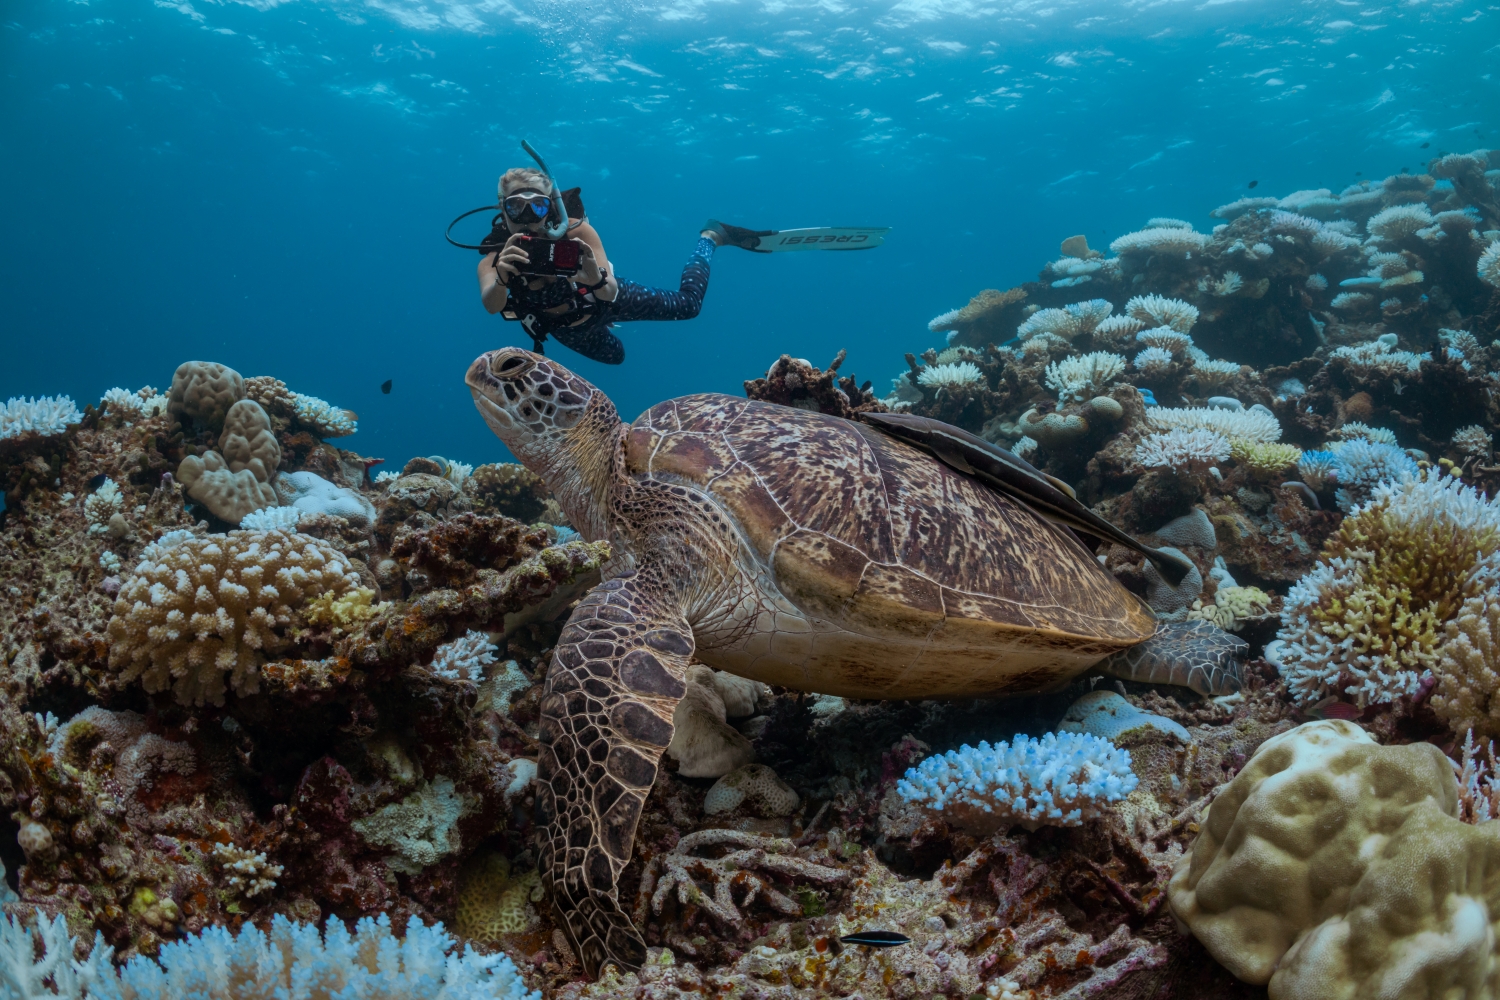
(1195, 654)
(616, 678)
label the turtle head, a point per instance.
(558, 424)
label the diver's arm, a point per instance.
(495, 270)
(590, 237)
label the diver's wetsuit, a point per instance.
(593, 337)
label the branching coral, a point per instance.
(1370, 619)
(249, 873)
(324, 419)
(1255, 424)
(1061, 779)
(1478, 775)
(38, 962)
(44, 416)
(960, 375)
(1079, 378)
(1378, 358)
(1467, 696)
(196, 609)
(1356, 431)
(144, 402)
(1067, 322)
(466, 656)
(1474, 441)
(1158, 310)
(1182, 449)
(753, 864)
(1264, 459)
(1360, 466)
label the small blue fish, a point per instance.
(876, 939)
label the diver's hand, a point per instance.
(509, 260)
(588, 266)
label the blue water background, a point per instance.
(266, 184)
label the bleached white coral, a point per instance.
(1179, 449)
(1379, 358)
(943, 321)
(950, 355)
(1356, 431)
(1462, 341)
(1352, 301)
(1316, 283)
(102, 504)
(272, 519)
(1317, 468)
(467, 655)
(1158, 310)
(1167, 339)
(457, 472)
(950, 376)
(1398, 222)
(1362, 466)
(1160, 241)
(43, 416)
(324, 419)
(1061, 779)
(1369, 621)
(1473, 440)
(1085, 376)
(1215, 373)
(1164, 222)
(37, 962)
(1153, 361)
(1292, 224)
(144, 402)
(1121, 325)
(1330, 241)
(1067, 322)
(1025, 446)
(1488, 267)
(1226, 285)
(1254, 424)
(1235, 209)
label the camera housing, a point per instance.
(548, 257)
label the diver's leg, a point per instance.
(594, 340)
(637, 302)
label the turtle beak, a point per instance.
(487, 394)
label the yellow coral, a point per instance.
(491, 903)
(1262, 458)
(1233, 606)
(342, 610)
(198, 608)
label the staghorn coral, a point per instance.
(195, 609)
(1478, 779)
(38, 961)
(1182, 449)
(1256, 424)
(1159, 310)
(1371, 618)
(44, 416)
(1058, 780)
(1079, 378)
(754, 864)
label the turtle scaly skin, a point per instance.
(788, 547)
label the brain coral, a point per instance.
(248, 441)
(492, 902)
(1372, 617)
(204, 391)
(198, 608)
(1333, 868)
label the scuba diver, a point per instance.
(545, 267)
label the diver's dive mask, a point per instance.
(527, 207)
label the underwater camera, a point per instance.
(551, 257)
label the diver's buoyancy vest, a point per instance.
(530, 306)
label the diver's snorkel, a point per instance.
(555, 231)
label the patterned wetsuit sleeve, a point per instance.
(593, 340)
(637, 302)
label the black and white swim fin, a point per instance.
(782, 241)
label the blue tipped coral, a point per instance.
(1360, 466)
(293, 962)
(1061, 779)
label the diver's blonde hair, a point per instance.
(523, 178)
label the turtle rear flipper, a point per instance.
(1195, 654)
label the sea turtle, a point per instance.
(793, 548)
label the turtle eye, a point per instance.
(513, 366)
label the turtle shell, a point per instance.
(893, 576)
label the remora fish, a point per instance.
(876, 939)
(1013, 476)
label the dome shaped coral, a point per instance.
(198, 608)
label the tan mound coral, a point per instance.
(1334, 868)
(229, 494)
(492, 902)
(248, 442)
(204, 391)
(199, 608)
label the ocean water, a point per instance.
(266, 184)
